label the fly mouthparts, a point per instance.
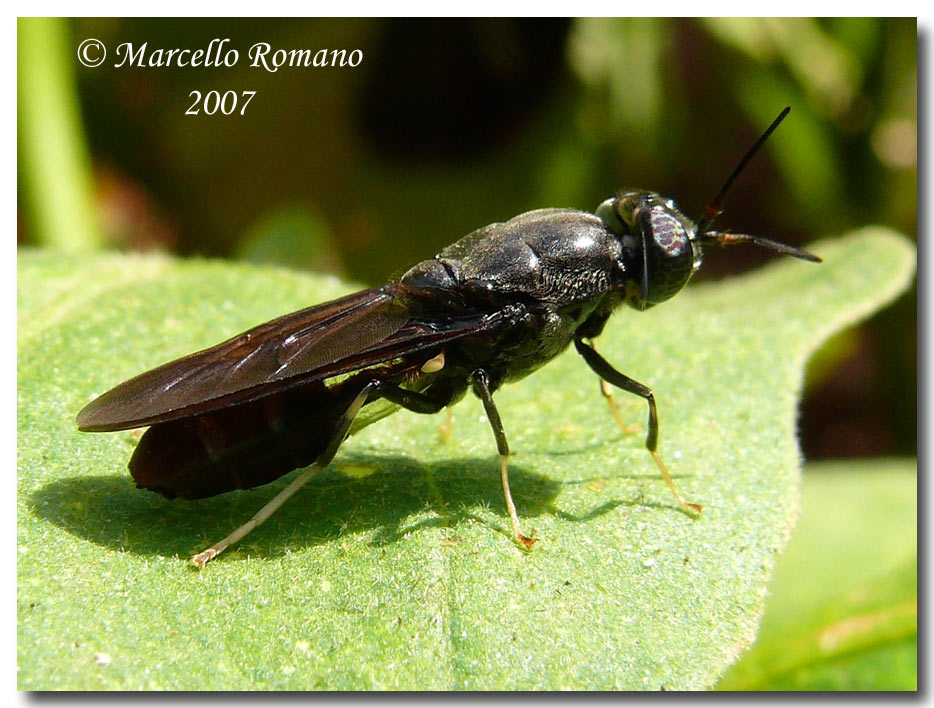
(723, 238)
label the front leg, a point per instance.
(607, 394)
(606, 372)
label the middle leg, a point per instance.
(481, 386)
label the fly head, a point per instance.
(659, 250)
(662, 248)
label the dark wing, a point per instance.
(253, 363)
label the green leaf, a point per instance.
(395, 568)
(842, 610)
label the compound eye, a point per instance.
(669, 254)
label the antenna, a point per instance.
(726, 238)
(714, 209)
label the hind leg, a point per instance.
(411, 400)
(340, 432)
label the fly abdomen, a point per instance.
(240, 447)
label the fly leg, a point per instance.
(420, 403)
(605, 371)
(481, 386)
(607, 394)
(447, 427)
(411, 400)
(340, 432)
(414, 401)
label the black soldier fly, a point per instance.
(489, 309)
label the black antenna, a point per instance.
(715, 208)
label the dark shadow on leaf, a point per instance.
(612, 505)
(378, 492)
(357, 492)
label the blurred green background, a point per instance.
(448, 125)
